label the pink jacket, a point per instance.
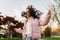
(35, 26)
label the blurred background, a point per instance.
(10, 17)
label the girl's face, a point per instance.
(28, 12)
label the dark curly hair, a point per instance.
(33, 12)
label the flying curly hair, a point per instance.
(33, 12)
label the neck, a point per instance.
(28, 16)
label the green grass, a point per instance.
(51, 38)
(44, 38)
(11, 39)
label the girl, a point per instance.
(31, 29)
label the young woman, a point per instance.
(32, 23)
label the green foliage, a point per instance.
(47, 32)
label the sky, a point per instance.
(15, 7)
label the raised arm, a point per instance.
(46, 20)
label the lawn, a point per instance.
(44, 38)
(51, 38)
(11, 39)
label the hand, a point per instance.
(15, 28)
(18, 30)
(49, 13)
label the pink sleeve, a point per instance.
(46, 19)
(18, 30)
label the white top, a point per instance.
(28, 28)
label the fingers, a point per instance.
(49, 13)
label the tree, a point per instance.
(47, 31)
(55, 13)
